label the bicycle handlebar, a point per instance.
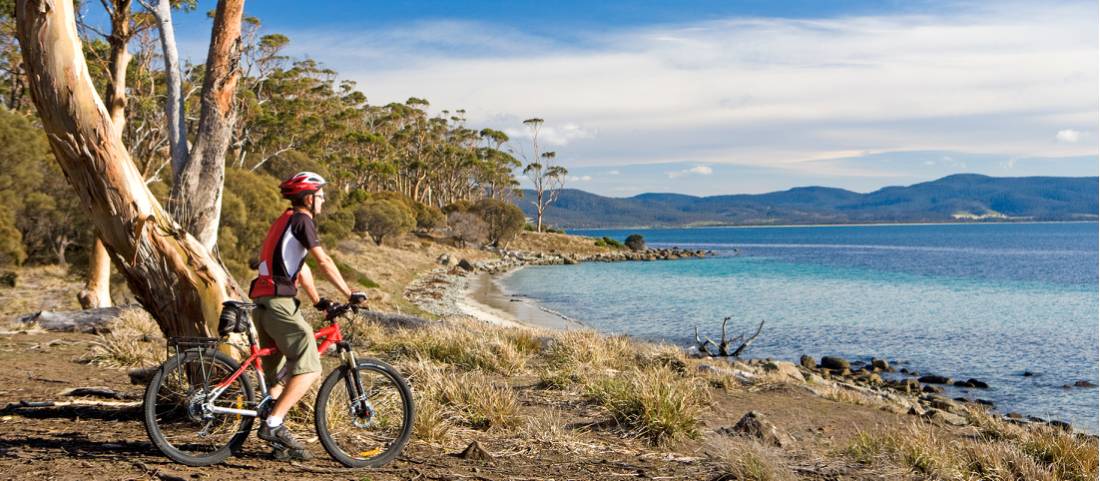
(341, 309)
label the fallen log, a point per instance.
(92, 321)
(703, 344)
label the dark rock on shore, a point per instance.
(971, 383)
(1060, 424)
(881, 364)
(931, 389)
(754, 424)
(934, 379)
(834, 362)
(807, 362)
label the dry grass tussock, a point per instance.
(748, 460)
(134, 341)
(655, 403)
(1001, 451)
(464, 345)
(449, 400)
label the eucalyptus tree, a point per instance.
(547, 179)
(171, 272)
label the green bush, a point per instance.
(383, 218)
(503, 220)
(45, 221)
(608, 242)
(466, 228)
(635, 242)
(458, 206)
(250, 203)
(429, 217)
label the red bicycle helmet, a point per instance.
(301, 183)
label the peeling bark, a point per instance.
(170, 272)
(197, 190)
(97, 287)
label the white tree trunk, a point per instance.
(170, 272)
(173, 108)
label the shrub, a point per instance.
(467, 228)
(608, 242)
(457, 206)
(383, 218)
(429, 217)
(250, 203)
(503, 220)
(635, 242)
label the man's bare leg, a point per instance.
(296, 388)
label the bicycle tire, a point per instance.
(150, 412)
(340, 378)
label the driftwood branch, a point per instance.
(704, 344)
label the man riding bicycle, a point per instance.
(279, 322)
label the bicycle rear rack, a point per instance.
(182, 344)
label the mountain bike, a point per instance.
(200, 404)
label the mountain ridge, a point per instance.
(954, 198)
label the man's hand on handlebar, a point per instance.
(324, 305)
(357, 298)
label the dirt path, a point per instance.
(109, 443)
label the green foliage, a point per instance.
(635, 242)
(250, 203)
(43, 221)
(608, 242)
(383, 218)
(503, 220)
(429, 216)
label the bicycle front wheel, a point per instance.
(364, 416)
(175, 418)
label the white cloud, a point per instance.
(697, 170)
(580, 178)
(1068, 136)
(983, 77)
(613, 172)
(552, 134)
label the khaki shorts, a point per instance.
(280, 324)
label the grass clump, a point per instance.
(746, 460)
(1000, 452)
(130, 343)
(653, 403)
(463, 346)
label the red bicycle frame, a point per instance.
(327, 337)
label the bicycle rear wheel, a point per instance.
(175, 419)
(364, 416)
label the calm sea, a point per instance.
(988, 301)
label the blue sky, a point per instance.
(708, 97)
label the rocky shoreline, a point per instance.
(899, 390)
(445, 292)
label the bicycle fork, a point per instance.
(361, 409)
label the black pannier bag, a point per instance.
(234, 319)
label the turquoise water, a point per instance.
(978, 300)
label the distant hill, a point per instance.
(961, 197)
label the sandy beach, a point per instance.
(478, 295)
(485, 295)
